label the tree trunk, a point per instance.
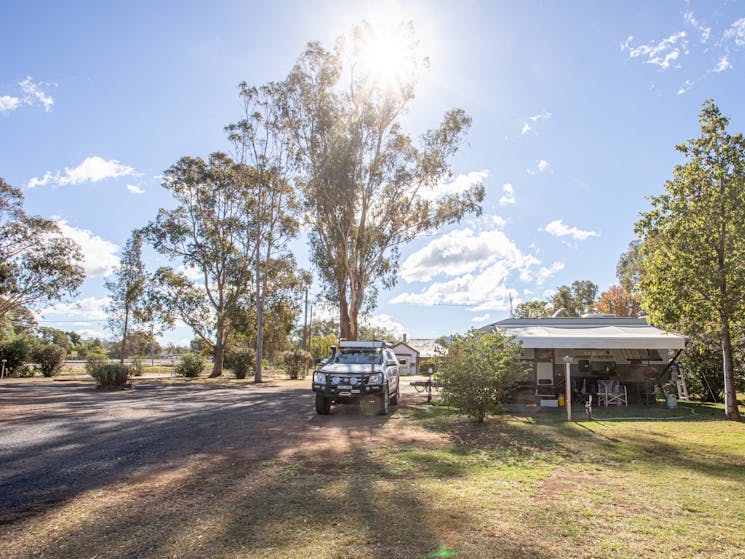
(124, 337)
(345, 325)
(219, 355)
(730, 392)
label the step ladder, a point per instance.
(679, 377)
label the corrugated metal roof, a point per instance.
(589, 333)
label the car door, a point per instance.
(392, 370)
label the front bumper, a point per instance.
(340, 391)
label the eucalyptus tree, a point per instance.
(128, 289)
(210, 233)
(577, 299)
(38, 264)
(368, 187)
(260, 142)
(693, 241)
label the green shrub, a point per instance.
(479, 372)
(240, 361)
(296, 362)
(113, 374)
(94, 360)
(191, 365)
(16, 354)
(135, 365)
(23, 371)
(50, 358)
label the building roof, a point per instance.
(426, 347)
(588, 333)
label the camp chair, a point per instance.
(611, 393)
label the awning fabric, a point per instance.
(589, 333)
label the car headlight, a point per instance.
(375, 379)
(320, 378)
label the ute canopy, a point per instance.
(589, 333)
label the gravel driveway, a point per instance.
(61, 438)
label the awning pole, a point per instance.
(567, 376)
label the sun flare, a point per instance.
(386, 54)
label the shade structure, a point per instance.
(588, 333)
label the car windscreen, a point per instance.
(358, 357)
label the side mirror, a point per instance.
(317, 360)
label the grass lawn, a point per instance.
(516, 486)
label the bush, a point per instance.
(479, 372)
(50, 358)
(191, 365)
(240, 362)
(113, 374)
(16, 354)
(94, 360)
(296, 362)
(135, 365)
(23, 371)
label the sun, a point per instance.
(385, 54)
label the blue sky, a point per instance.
(576, 108)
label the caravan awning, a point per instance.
(589, 333)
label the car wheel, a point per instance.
(395, 397)
(385, 402)
(323, 404)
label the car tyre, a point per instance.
(385, 402)
(395, 397)
(323, 404)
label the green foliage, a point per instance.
(113, 374)
(95, 358)
(135, 365)
(296, 362)
(532, 309)
(37, 262)
(23, 371)
(191, 365)
(320, 346)
(577, 299)
(16, 353)
(50, 358)
(693, 242)
(240, 361)
(479, 371)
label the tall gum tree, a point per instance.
(368, 187)
(210, 233)
(693, 241)
(260, 142)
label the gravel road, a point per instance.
(61, 438)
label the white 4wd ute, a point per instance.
(359, 372)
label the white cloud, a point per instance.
(99, 255)
(736, 32)
(134, 189)
(527, 127)
(541, 166)
(459, 185)
(508, 195)
(92, 169)
(8, 103)
(723, 64)
(385, 321)
(483, 261)
(460, 252)
(190, 272)
(661, 54)
(545, 273)
(702, 29)
(32, 94)
(91, 308)
(557, 228)
(481, 318)
(685, 88)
